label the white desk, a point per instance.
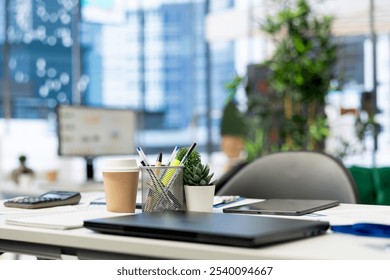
(86, 244)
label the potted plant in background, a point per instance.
(199, 188)
(286, 94)
(301, 69)
(23, 175)
(233, 126)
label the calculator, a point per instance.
(49, 199)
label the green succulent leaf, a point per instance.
(198, 175)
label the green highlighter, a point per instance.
(168, 175)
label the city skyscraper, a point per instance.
(146, 57)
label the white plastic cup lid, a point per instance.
(118, 165)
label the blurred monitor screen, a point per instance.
(91, 132)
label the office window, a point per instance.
(150, 57)
(221, 5)
(350, 62)
(36, 51)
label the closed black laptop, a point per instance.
(213, 228)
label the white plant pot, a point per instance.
(199, 198)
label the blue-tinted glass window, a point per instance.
(39, 56)
(111, 53)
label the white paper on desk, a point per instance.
(61, 219)
(357, 213)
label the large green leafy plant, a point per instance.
(300, 73)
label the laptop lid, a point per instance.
(213, 228)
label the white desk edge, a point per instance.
(328, 246)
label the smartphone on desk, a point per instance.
(49, 199)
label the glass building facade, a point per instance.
(149, 56)
(37, 66)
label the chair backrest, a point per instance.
(294, 175)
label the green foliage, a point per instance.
(285, 111)
(319, 128)
(192, 160)
(302, 63)
(194, 173)
(232, 87)
(254, 148)
(233, 121)
(198, 175)
(367, 125)
(22, 158)
(301, 71)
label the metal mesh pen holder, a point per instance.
(162, 188)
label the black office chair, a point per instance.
(294, 175)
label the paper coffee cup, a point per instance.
(120, 180)
(120, 165)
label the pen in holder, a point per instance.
(158, 194)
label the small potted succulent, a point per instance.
(199, 187)
(198, 175)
